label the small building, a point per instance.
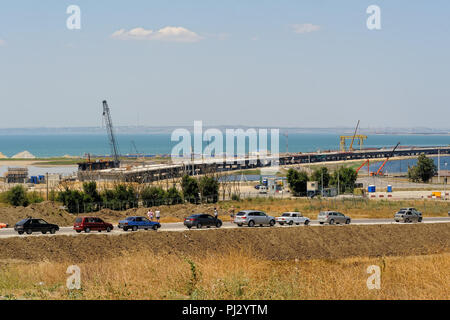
(16, 175)
(54, 179)
(443, 177)
(312, 188)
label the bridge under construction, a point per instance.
(111, 170)
(156, 172)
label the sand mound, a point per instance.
(23, 155)
(2, 156)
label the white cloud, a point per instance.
(170, 34)
(305, 28)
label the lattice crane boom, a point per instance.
(111, 136)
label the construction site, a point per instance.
(112, 169)
(369, 163)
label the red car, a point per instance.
(87, 224)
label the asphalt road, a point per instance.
(178, 226)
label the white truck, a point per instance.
(290, 218)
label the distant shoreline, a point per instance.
(169, 129)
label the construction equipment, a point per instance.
(364, 163)
(359, 137)
(353, 139)
(379, 171)
(112, 138)
(138, 155)
(286, 134)
(133, 145)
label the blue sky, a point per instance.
(242, 63)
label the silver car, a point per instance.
(408, 215)
(292, 217)
(252, 218)
(333, 217)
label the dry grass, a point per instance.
(230, 276)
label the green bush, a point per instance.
(297, 182)
(153, 196)
(34, 197)
(122, 197)
(73, 200)
(423, 171)
(174, 196)
(209, 189)
(345, 177)
(190, 189)
(320, 174)
(17, 196)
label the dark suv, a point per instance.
(200, 220)
(87, 224)
(30, 225)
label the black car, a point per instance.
(202, 219)
(30, 225)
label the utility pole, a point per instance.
(46, 181)
(439, 165)
(445, 181)
(322, 183)
(338, 182)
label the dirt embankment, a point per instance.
(52, 213)
(273, 244)
(47, 210)
(168, 213)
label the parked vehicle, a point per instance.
(135, 223)
(3, 225)
(87, 224)
(333, 217)
(408, 215)
(30, 225)
(263, 190)
(253, 217)
(202, 219)
(292, 217)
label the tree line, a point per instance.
(122, 196)
(344, 178)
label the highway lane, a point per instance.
(178, 226)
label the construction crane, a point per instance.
(112, 138)
(286, 134)
(359, 137)
(379, 171)
(364, 163)
(353, 139)
(133, 145)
